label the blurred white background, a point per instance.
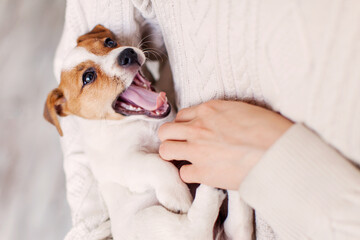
(32, 185)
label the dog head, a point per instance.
(100, 79)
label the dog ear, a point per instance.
(99, 31)
(54, 107)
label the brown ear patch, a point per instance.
(94, 41)
(54, 108)
(99, 31)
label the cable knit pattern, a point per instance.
(208, 57)
(300, 58)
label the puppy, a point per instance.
(101, 82)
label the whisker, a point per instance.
(147, 36)
(143, 43)
(154, 53)
(155, 50)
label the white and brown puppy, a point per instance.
(101, 82)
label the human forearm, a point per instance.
(305, 189)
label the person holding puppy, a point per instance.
(293, 153)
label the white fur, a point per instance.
(77, 56)
(239, 222)
(136, 216)
(124, 152)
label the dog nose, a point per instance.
(127, 57)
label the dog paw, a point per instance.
(210, 195)
(239, 221)
(177, 199)
(205, 208)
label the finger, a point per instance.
(186, 114)
(174, 131)
(189, 174)
(174, 150)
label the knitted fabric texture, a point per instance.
(298, 58)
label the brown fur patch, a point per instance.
(94, 40)
(54, 106)
(93, 100)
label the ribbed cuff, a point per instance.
(298, 185)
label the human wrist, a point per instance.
(279, 128)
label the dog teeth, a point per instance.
(130, 107)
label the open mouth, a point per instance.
(140, 98)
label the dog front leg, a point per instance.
(164, 178)
(157, 223)
(204, 211)
(239, 222)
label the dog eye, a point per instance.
(89, 76)
(110, 43)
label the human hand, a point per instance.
(223, 140)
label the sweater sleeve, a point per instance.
(89, 215)
(305, 189)
(75, 25)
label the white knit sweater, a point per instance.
(299, 58)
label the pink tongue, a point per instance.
(144, 98)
